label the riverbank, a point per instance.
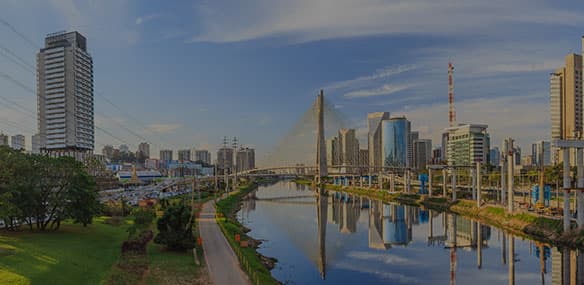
(245, 247)
(526, 224)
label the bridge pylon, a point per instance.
(321, 164)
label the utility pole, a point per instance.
(235, 163)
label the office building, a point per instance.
(332, 151)
(467, 144)
(444, 147)
(374, 135)
(395, 141)
(541, 153)
(36, 144)
(517, 155)
(437, 155)
(65, 96)
(3, 139)
(144, 149)
(414, 135)
(203, 156)
(245, 159)
(17, 142)
(527, 160)
(348, 147)
(184, 155)
(225, 160)
(363, 157)
(165, 156)
(422, 149)
(495, 156)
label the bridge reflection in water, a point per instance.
(355, 239)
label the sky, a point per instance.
(183, 74)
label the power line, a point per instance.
(27, 40)
(24, 87)
(32, 43)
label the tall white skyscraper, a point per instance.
(374, 137)
(65, 95)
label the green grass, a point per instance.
(71, 255)
(168, 267)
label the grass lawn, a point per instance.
(71, 255)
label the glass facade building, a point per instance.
(395, 142)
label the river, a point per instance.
(340, 238)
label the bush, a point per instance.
(138, 244)
(143, 218)
(175, 228)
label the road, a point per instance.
(221, 261)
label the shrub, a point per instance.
(175, 228)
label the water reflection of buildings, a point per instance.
(391, 224)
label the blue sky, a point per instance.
(186, 73)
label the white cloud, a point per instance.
(386, 89)
(309, 20)
(144, 19)
(382, 73)
(161, 128)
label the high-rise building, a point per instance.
(65, 96)
(17, 142)
(124, 148)
(203, 155)
(3, 139)
(444, 147)
(36, 143)
(437, 155)
(165, 156)
(374, 137)
(517, 155)
(332, 151)
(566, 99)
(144, 149)
(108, 151)
(414, 136)
(348, 147)
(224, 160)
(422, 149)
(363, 157)
(468, 144)
(184, 155)
(541, 153)
(245, 159)
(495, 156)
(395, 141)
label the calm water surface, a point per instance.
(346, 239)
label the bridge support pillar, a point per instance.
(478, 173)
(453, 178)
(392, 183)
(473, 183)
(408, 181)
(369, 180)
(510, 182)
(444, 179)
(580, 185)
(567, 216)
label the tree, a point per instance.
(175, 228)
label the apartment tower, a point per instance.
(65, 96)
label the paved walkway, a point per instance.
(221, 261)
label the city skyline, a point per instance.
(501, 75)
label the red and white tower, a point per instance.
(452, 112)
